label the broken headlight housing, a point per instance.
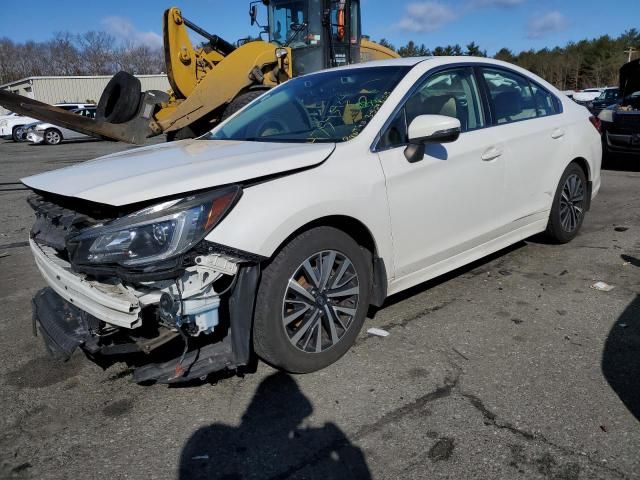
(155, 233)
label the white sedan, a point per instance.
(43, 132)
(275, 232)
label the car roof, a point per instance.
(436, 60)
(392, 62)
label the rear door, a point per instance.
(526, 117)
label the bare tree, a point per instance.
(97, 52)
(139, 59)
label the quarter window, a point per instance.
(511, 96)
(546, 103)
(396, 133)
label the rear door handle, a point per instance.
(491, 153)
(557, 133)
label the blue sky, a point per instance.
(516, 24)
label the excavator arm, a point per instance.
(203, 80)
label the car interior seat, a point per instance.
(508, 105)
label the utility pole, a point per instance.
(630, 50)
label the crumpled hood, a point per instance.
(630, 78)
(173, 168)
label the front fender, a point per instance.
(268, 213)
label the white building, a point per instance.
(76, 89)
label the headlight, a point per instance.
(155, 233)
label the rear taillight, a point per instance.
(595, 121)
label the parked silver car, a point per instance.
(42, 132)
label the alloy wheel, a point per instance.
(572, 203)
(320, 301)
(52, 137)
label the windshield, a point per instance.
(288, 22)
(331, 106)
(611, 94)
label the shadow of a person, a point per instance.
(272, 442)
(621, 357)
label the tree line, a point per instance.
(90, 53)
(577, 65)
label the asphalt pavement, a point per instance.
(512, 367)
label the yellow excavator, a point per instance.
(214, 80)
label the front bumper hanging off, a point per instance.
(65, 327)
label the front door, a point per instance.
(451, 200)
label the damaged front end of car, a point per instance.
(142, 284)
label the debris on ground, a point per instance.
(602, 286)
(4, 254)
(621, 229)
(378, 332)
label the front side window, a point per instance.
(453, 93)
(331, 106)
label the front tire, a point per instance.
(569, 205)
(312, 301)
(52, 136)
(17, 132)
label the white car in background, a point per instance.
(583, 97)
(275, 232)
(13, 125)
(52, 134)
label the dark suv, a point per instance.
(609, 96)
(621, 121)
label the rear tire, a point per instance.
(52, 136)
(568, 209)
(332, 312)
(120, 99)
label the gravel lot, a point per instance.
(512, 367)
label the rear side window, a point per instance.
(511, 95)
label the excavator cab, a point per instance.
(320, 33)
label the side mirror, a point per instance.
(430, 129)
(253, 13)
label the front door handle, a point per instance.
(491, 153)
(557, 133)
